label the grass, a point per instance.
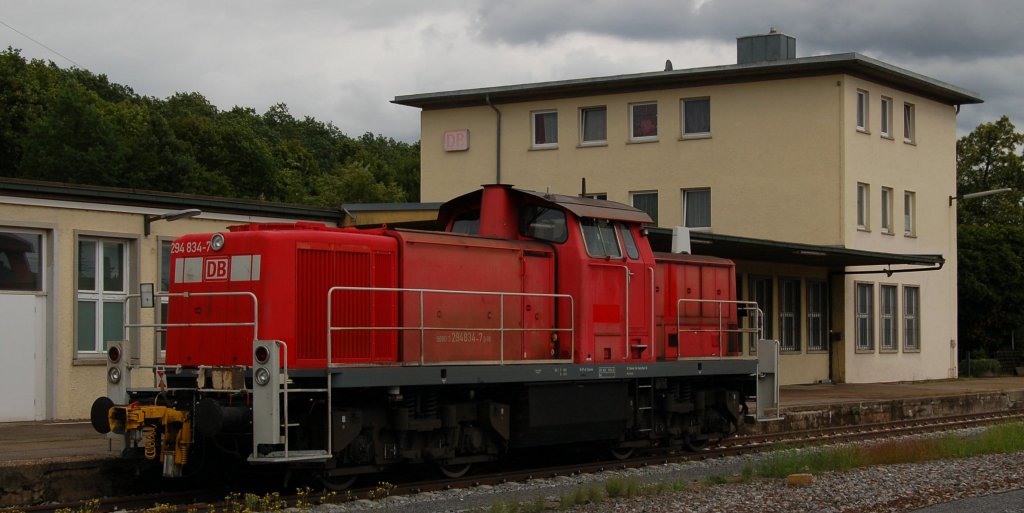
(1004, 438)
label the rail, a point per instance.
(422, 328)
(748, 306)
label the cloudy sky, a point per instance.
(343, 61)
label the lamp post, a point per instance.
(981, 194)
(168, 216)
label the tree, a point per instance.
(990, 237)
(990, 158)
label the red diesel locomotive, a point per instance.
(532, 320)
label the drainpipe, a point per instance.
(497, 142)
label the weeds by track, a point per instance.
(199, 501)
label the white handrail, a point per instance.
(423, 328)
(750, 306)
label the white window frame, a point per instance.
(789, 315)
(685, 221)
(909, 213)
(888, 306)
(909, 123)
(99, 296)
(861, 109)
(863, 206)
(864, 317)
(533, 130)
(682, 118)
(911, 318)
(887, 227)
(583, 126)
(657, 203)
(633, 137)
(885, 114)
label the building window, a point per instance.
(596, 195)
(908, 213)
(887, 210)
(886, 117)
(888, 316)
(789, 314)
(863, 200)
(21, 260)
(909, 135)
(643, 120)
(163, 286)
(697, 208)
(545, 129)
(696, 117)
(648, 202)
(865, 317)
(761, 293)
(817, 305)
(102, 288)
(593, 125)
(862, 111)
(911, 318)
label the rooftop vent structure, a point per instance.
(773, 46)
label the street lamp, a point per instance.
(169, 216)
(971, 195)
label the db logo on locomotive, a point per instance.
(215, 269)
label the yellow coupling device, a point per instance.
(155, 425)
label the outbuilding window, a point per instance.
(102, 286)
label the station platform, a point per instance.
(48, 461)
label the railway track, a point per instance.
(214, 500)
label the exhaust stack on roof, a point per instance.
(773, 46)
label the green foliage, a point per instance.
(74, 126)
(990, 277)
(980, 367)
(1004, 438)
(990, 236)
(990, 158)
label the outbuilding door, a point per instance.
(23, 332)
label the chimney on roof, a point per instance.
(773, 46)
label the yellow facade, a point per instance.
(783, 161)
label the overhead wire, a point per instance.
(30, 38)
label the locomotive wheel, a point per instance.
(454, 471)
(622, 453)
(694, 444)
(337, 483)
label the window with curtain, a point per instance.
(789, 314)
(648, 202)
(594, 125)
(817, 308)
(545, 129)
(697, 116)
(911, 318)
(643, 118)
(888, 317)
(761, 293)
(865, 313)
(697, 208)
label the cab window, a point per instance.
(467, 222)
(599, 236)
(543, 223)
(627, 240)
